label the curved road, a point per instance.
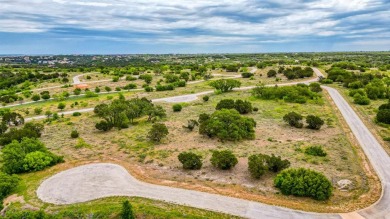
(102, 180)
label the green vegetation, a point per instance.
(27, 155)
(243, 107)
(258, 164)
(294, 94)
(177, 107)
(223, 160)
(158, 132)
(293, 119)
(225, 85)
(190, 161)
(227, 125)
(314, 122)
(304, 182)
(315, 151)
(127, 211)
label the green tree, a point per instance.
(293, 119)
(36, 97)
(304, 182)
(190, 161)
(158, 132)
(315, 87)
(383, 116)
(225, 85)
(271, 73)
(227, 125)
(127, 211)
(314, 122)
(225, 104)
(223, 159)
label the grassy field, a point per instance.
(159, 164)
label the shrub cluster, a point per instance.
(190, 161)
(243, 107)
(247, 74)
(294, 119)
(305, 183)
(223, 160)
(315, 151)
(294, 94)
(258, 164)
(227, 125)
(27, 155)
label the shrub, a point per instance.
(383, 116)
(76, 114)
(36, 161)
(293, 119)
(225, 85)
(384, 106)
(326, 81)
(74, 134)
(257, 165)
(130, 78)
(97, 90)
(206, 98)
(315, 151)
(149, 89)
(103, 126)
(227, 125)
(115, 79)
(315, 87)
(165, 87)
(276, 164)
(255, 109)
(127, 211)
(247, 74)
(292, 94)
(17, 157)
(314, 122)
(225, 104)
(191, 124)
(36, 97)
(223, 160)
(30, 130)
(38, 111)
(305, 183)
(7, 185)
(243, 107)
(177, 107)
(361, 100)
(90, 94)
(190, 161)
(271, 73)
(130, 86)
(157, 132)
(61, 106)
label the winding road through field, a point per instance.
(95, 181)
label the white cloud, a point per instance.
(242, 20)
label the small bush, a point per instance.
(149, 89)
(76, 114)
(247, 74)
(293, 119)
(157, 132)
(206, 98)
(361, 100)
(383, 116)
(103, 126)
(271, 73)
(314, 122)
(315, 151)
(223, 160)
(257, 165)
(326, 81)
(74, 134)
(305, 183)
(276, 164)
(190, 161)
(177, 107)
(255, 109)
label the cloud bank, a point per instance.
(155, 26)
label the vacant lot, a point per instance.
(158, 163)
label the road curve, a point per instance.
(94, 181)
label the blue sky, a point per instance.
(196, 26)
